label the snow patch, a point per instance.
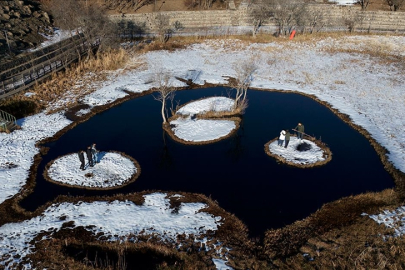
(214, 104)
(200, 130)
(394, 219)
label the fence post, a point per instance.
(3, 90)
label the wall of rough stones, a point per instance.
(22, 22)
(240, 21)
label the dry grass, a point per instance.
(357, 246)
(337, 215)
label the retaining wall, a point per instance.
(240, 20)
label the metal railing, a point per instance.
(25, 75)
(5, 120)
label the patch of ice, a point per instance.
(221, 264)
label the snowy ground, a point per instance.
(117, 220)
(212, 104)
(58, 36)
(369, 89)
(344, 2)
(113, 170)
(17, 149)
(291, 154)
(202, 130)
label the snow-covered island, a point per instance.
(299, 153)
(204, 121)
(113, 170)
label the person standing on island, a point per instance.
(287, 138)
(281, 138)
(89, 156)
(81, 157)
(94, 153)
(300, 128)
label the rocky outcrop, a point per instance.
(21, 25)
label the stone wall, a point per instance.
(22, 22)
(240, 21)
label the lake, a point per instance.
(236, 172)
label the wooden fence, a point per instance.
(39, 67)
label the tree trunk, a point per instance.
(163, 110)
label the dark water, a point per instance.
(236, 172)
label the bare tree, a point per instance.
(354, 20)
(164, 92)
(242, 82)
(259, 12)
(395, 5)
(163, 27)
(120, 5)
(310, 20)
(363, 3)
(285, 13)
(201, 4)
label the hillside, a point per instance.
(22, 23)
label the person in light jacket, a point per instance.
(94, 153)
(281, 138)
(287, 138)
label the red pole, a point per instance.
(292, 34)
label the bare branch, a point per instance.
(243, 80)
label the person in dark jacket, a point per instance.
(89, 156)
(81, 157)
(300, 129)
(287, 138)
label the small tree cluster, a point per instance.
(310, 20)
(242, 82)
(285, 13)
(395, 5)
(164, 29)
(87, 19)
(363, 3)
(120, 5)
(260, 12)
(202, 4)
